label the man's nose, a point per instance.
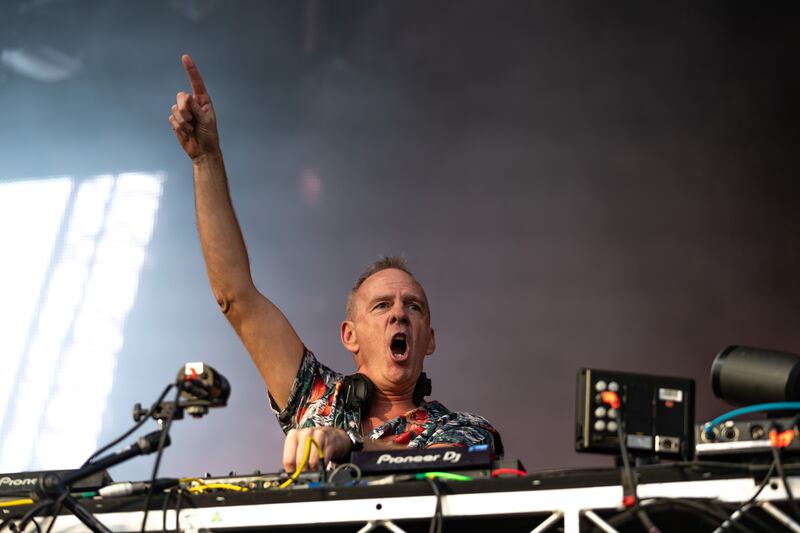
(399, 314)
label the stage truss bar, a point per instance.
(388, 524)
(549, 522)
(780, 516)
(599, 522)
(567, 503)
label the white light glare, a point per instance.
(80, 333)
(31, 213)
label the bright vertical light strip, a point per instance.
(31, 214)
(80, 333)
(63, 295)
(87, 366)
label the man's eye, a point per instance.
(381, 305)
(415, 307)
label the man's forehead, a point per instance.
(390, 280)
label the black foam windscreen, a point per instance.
(746, 375)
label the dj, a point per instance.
(387, 328)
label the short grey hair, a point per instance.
(384, 263)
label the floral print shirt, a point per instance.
(315, 401)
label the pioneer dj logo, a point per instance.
(24, 482)
(449, 456)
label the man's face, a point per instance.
(389, 331)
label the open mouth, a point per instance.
(399, 347)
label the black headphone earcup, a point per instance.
(422, 388)
(358, 391)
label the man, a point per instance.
(387, 328)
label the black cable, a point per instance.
(761, 487)
(53, 518)
(178, 510)
(436, 521)
(704, 508)
(630, 475)
(159, 453)
(136, 426)
(164, 512)
(27, 517)
(9, 522)
(738, 524)
(59, 505)
(629, 515)
(708, 515)
(792, 503)
(715, 510)
(178, 494)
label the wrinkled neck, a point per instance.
(390, 404)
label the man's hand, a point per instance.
(193, 119)
(335, 444)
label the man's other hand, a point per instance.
(335, 444)
(193, 119)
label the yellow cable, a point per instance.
(12, 503)
(226, 486)
(302, 464)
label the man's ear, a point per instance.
(431, 343)
(348, 336)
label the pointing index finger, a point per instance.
(198, 87)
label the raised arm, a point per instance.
(266, 333)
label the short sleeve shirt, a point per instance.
(314, 401)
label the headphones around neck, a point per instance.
(358, 391)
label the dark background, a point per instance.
(575, 184)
